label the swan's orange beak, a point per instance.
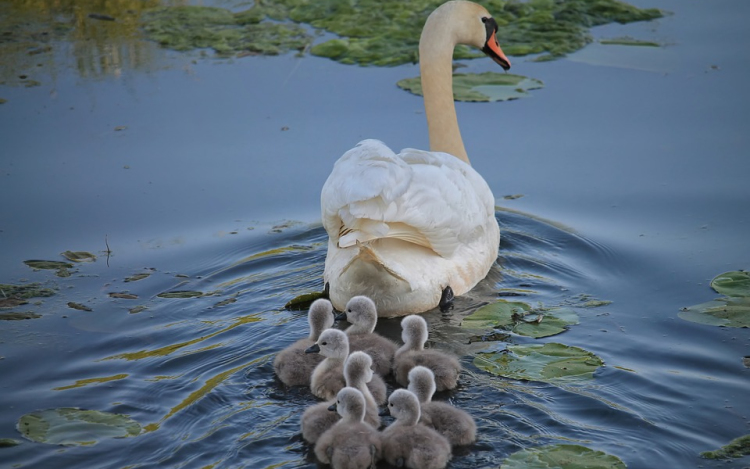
(492, 48)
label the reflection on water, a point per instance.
(196, 373)
(96, 37)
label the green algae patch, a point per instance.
(551, 362)
(737, 448)
(15, 316)
(8, 442)
(78, 306)
(196, 27)
(517, 317)
(78, 256)
(562, 457)
(180, 294)
(48, 265)
(732, 310)
(736, 283)
(488, 86)
(628, 41)
(32, 290)
(75, 427)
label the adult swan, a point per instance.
(410, 230)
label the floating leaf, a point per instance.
(137, 309)
(228, 301)
(562, 457)
(136, 277)
(18, 316)
(304, 301)
(180, 294)
(488, 86)
(537, 362)
(79, 256)
(123, 296)
(596, 303)
(735, 283)
(48, 265)
(78, 306)
(12, 302)
(737, 448)
(8, 442)
(725, 311)
(32, 290)
(628, 41)
(513, 316)
(72, 426)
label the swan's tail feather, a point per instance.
(367, 254)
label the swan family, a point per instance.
(414, 229)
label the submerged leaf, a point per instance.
(136, 277)
(18, 316)
(537, 362)
(48, 265)
(180, 294)
(78, 306)
(512, 316)
(488, 86)
(79, 256)
(725, 311)
(562, 457)
(72, 426)
(304, 301)
(123, 296)
(31, 290)
(735, 283)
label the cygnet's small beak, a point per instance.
(332, 407)
(314, 348)
(341, 316)
(384, 412)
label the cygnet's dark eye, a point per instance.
(390, 405)
(484, 19)
(324, 343)
(348, 310)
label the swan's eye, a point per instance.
(484, 19)
(324, 343)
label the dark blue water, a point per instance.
(633, 167)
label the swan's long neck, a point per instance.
(436, 46)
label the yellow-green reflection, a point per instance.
(85, 382)
(195, 396)
(47, 36)
(164, 351)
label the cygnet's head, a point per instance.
(358, 368)
(332, 343)
(404, 406)
(350, 404)
(362, 314)
(422, 383)
(414, 332)
(320, 317)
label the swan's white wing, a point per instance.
(428, 198)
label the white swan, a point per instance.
(413, 228)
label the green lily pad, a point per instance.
(737, 448)
(136, 277)
(725, 311)
(488, 86)
(512, 316)
(180, 294)
(79, 256)
(72, 426)
(562, 457)
(536, 362)
(48, 265)
(735, 283)
(304, 301)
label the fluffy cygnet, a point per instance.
(407, 443)
(293, 366)
(454, 424)
(412, 353)
(362, 314)
(350, 443)
(358, 375)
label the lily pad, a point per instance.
(79, 256)
(72, 426)
(536, 362)
(737, 448)
(304, 301)
(735, 283)
(180, 294)
(136, 277)
(512, 316)
(725, 311)
(562, 457)
(488, 86)
(48, 265)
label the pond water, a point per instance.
(205, 174)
